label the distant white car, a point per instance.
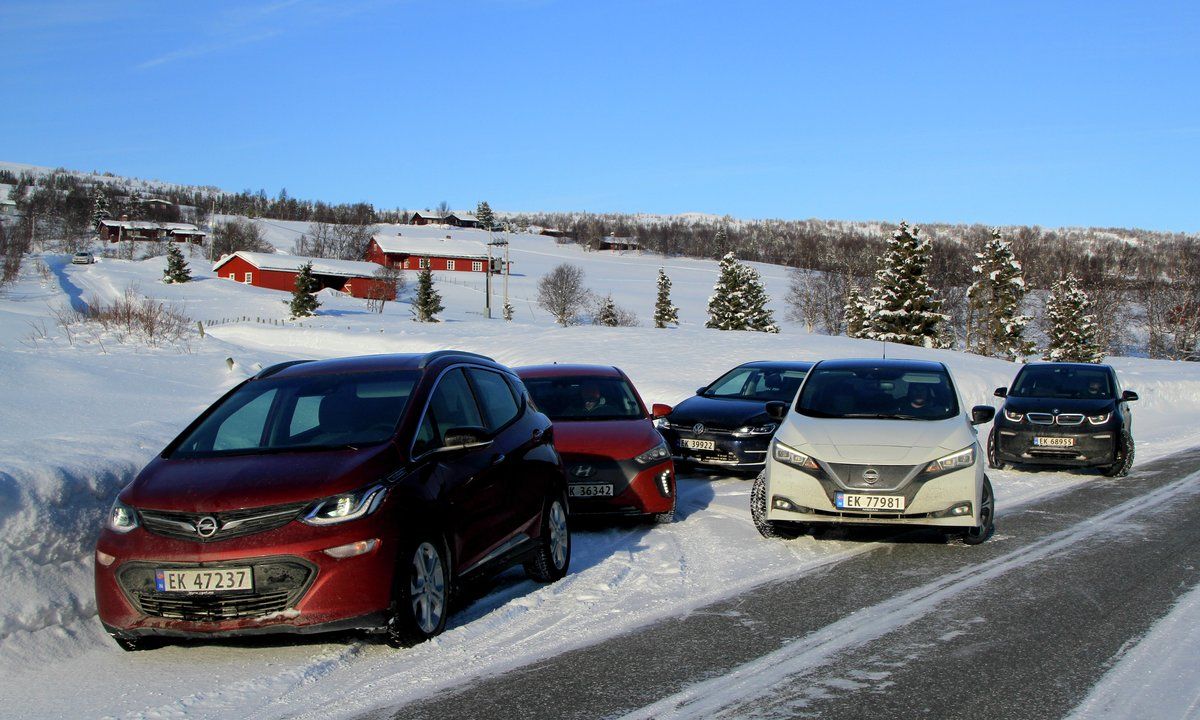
(83, 258)
(876, 442)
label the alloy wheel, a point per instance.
(427, 588)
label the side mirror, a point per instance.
(981, 414)
(1002, 392)
(1129, 396)
(658, 410)
(777, 410)
(464, 438)
(700, 391)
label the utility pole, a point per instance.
(487, 283)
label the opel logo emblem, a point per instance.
(698, 429)
(870, 476)
(206, 526)
(583, 471)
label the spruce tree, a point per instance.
(428, 303)
(995, 299)
(508, 311)
(856, 314)
(758, 317)
(727, 306)
(99, 208)
(1070, 327)
(903, 307)
(483, 213)
(177, 268)
(664, 312)
(304, 300)
(607, 314)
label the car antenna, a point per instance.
(885, 349)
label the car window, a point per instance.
(879, 393)
(452, 405)
(585, 397)
(495, 399)
(244, 427)
(757, 383)
(1064, 382)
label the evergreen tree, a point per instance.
(995, 299)
(721, 240)
(607, 315)
(508, 311)
(99, 208)
(903, 307)
(177, 268)
(1071, 329)
(664, 311)
(483, 212)
(758, 317)
(856, 313)
(304, 300)
(727, 306)
(428, 302)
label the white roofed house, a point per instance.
(424, 217)
(461, 219)
(415, 253)
(278, 272)
(118, 230)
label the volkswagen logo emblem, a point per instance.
(583, 471)
(698, 429)
(870, 476)
(206, 526)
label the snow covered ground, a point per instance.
(81, 414)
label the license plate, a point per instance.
(1054, 441)
(586, 491)
(698, 444)
(206, 580)
(848, 501)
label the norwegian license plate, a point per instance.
(1054, 441)
(698, 444)
(204, 580)
(851, 501)
(586, 491)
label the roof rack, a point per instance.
(436, 354)
(277, 367)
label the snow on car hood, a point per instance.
(861, 440)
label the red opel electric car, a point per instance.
(616, 461)
(332, 495)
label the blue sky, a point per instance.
(1050, 113)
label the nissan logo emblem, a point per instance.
(698, 429)
(583, 471)
(206, 526)
(870, 476)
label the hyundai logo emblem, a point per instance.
(870, 476)
(698, 429)
(583, 471)
(206, 526)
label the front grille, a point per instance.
(1049, 419)
(231, 524)
(278, 585)
(1041, 418)
(888, 477)
(1070, 419)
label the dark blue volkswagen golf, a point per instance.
(726, 424)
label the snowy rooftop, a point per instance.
(293, 263)
(151, 225)
(430, 246)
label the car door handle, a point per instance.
(498, 458)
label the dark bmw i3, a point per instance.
(1073, 414)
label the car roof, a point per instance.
(902, 364)
(1076, 365)
(376, 363)
(567, 370)
(779, 364)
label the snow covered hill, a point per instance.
(83, 411)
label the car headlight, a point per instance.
(1013, 416)
(791, 456)
(750, 430)
(121, 518)
(658, 453)
(661, 423)
(1099, 419)
(345, 507)
(954, 461)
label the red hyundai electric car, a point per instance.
(332, 495)
(616, 461)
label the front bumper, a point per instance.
(949, 500)
(297, 587)
(636, 489)
(748, 453)
(1090, 447)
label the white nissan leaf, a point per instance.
(875, 442)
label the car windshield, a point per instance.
(585, 397)
(302, 414)
(878, 393)
(750, 382)
(1076, 383)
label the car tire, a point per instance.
(1124, 457)
(993, 456)
(987, 517)
(758, 513)
(553, 556)
(422, 594)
